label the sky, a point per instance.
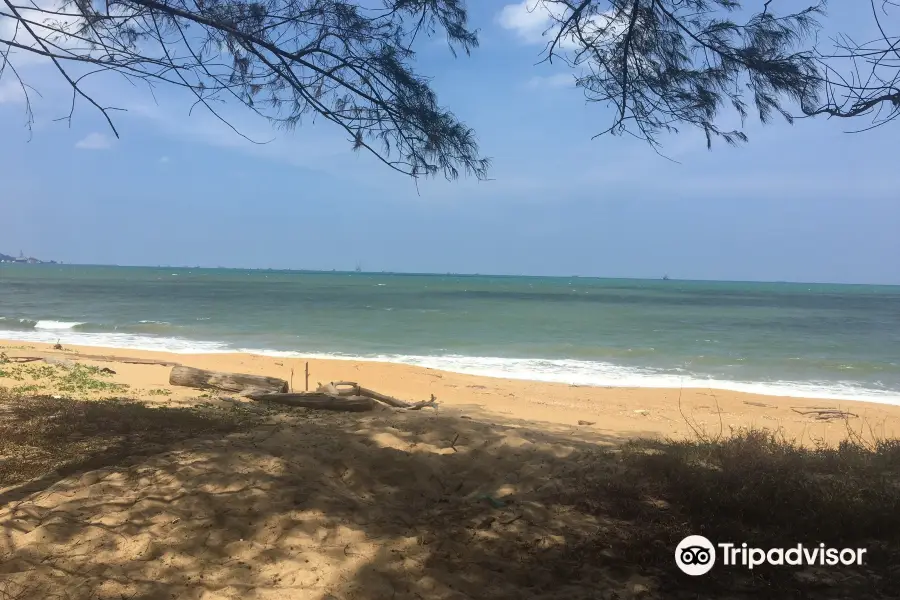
(802, 202)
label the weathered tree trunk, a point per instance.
(319, 400)
(229, 382)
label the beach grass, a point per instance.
(75, 380)
(759, 487)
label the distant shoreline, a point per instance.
(656, 279)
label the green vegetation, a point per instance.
(26, 389)
(159, 392)
(75, 380)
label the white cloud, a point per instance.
(321, 146)
(11, 92)
(95, 141)
(538, 22)
(529, 19)
(52, 20)
(552, 81)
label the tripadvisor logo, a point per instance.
(696, 555)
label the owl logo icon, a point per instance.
(695, 555)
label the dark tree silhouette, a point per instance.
(346, 61)
(863, 78)
(666, 64)
(662, 65)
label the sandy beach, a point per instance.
(613, 413)
(510, 490)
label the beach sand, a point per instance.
(483, 498)
(614, 413)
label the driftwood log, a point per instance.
(351, 388)
(319, 400)
(229, 382)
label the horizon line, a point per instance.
(451, 274)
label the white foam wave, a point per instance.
(569, 371)
(599, 374)
(56, 325)
(121, 340)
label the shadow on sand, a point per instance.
(392, 505)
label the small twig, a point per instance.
(513, 520)
(697, 433)
(423, 404)
(824, 414)
(719, 412)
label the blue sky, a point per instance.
(806, 202)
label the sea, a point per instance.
(787, 339)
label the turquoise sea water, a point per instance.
(829, 341)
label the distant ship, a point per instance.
(358, 268)
(665, 277)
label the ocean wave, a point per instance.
(119, 340)
(601, 374)
(568, 371)
(56, 325)
(140, 327)
(17, 323)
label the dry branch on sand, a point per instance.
(826, 414)
(128, 361)
(92, 357)
(339, 395)
(342, 395)
(319, 400)
(351, 388)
